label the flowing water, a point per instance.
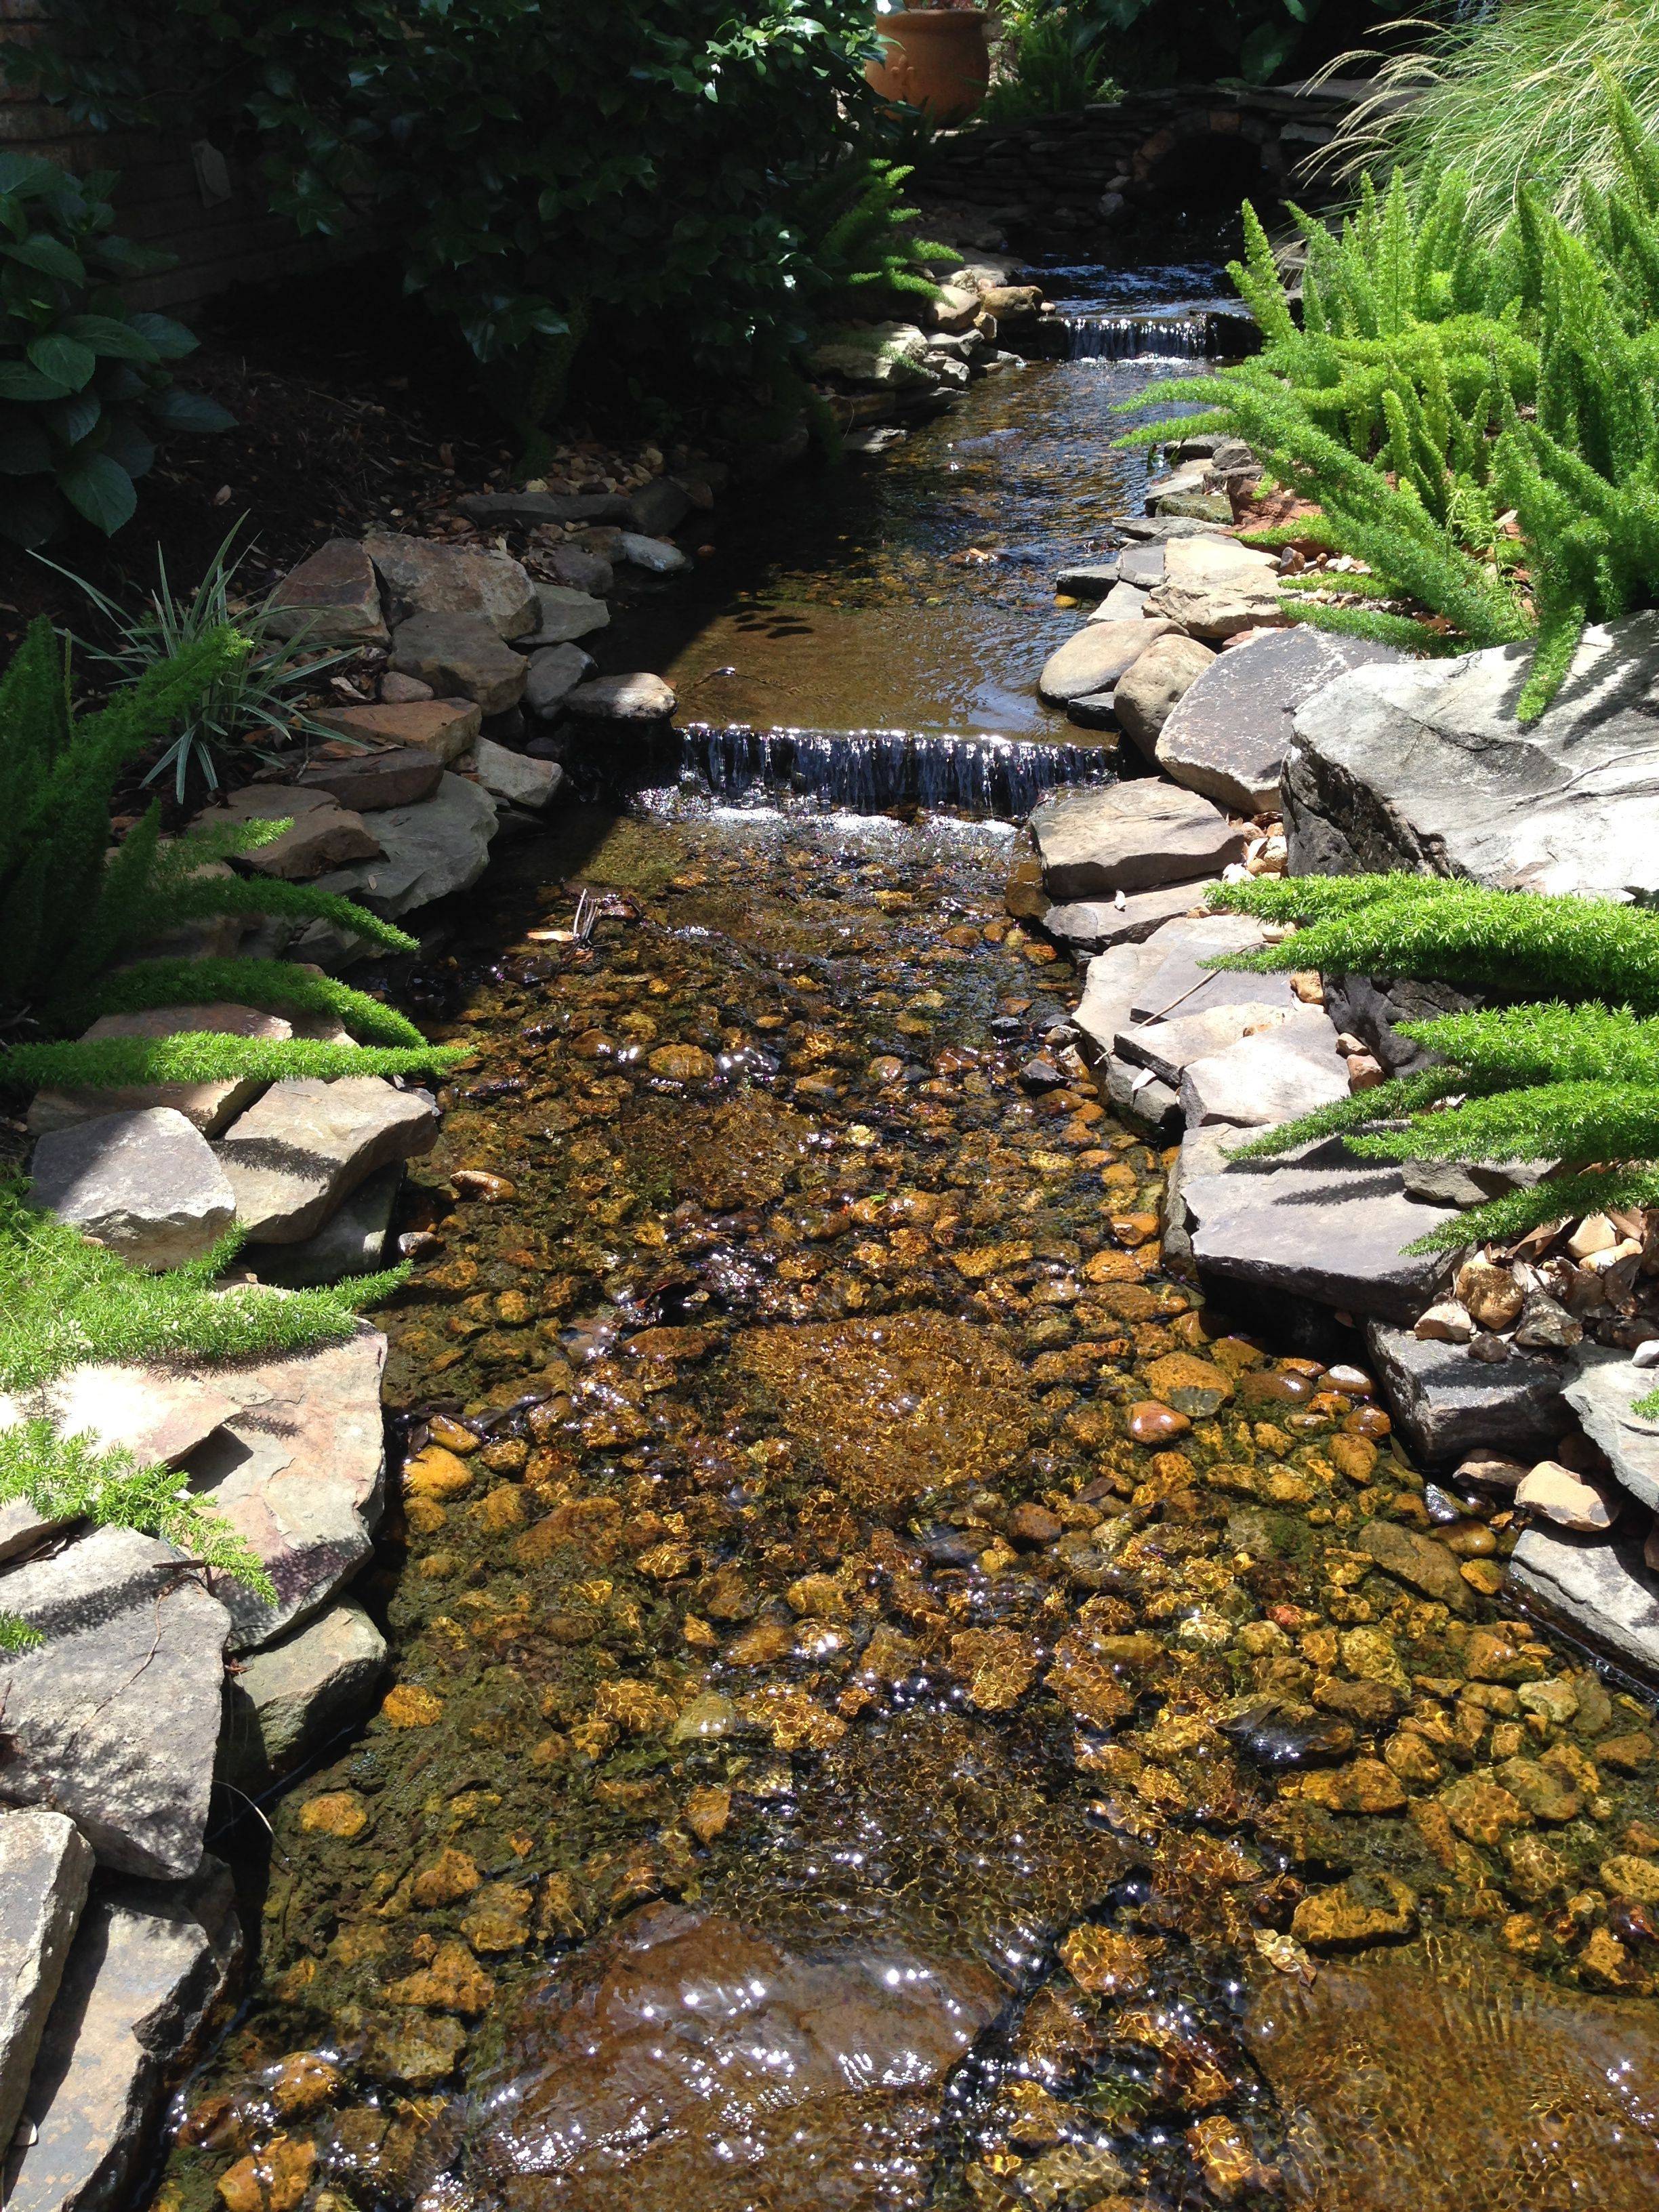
(891, 1706)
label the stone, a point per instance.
(145, 1183)
(1123, 603)
(582, 571)
(1364, 1786)
(1095, 710)
(534, 510)
(206, 1106)
(46, 1866)
(1091, 580)
(1228, 735)
(1572, 1501)
(331, 598)
(1597, 1587)
(157, 1413)
(292, 1158)
(1183, 974)
(403, 690)
(1148, 692)
(113, 1717)
(1090, 925)
(147, 1966)
(1094, 657)
(1368, 1908)
(516, 777)
(1445, 1323)
(555, 672)
(659, 506)
(563, 614)
(422, 577)
(460, 653)
(290, 1697)
(299, 1472)
(444, 727)
(1143, 565)
(1491, 1293)
(322, 833)
(876, 353)
(1266, 1079)
(1423, 766)
(1603, 1394)
(1214, 587)
(634, 698)
(1482, 1812)
(1540, 1791)
(1422, 1564)
(654, 555)
(1129, 837)
(1167, 1047)
(370, 782)
(1447, 1405)
(351, 1242)
(1329, 1232)
(428, 851)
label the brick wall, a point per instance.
(190, 200)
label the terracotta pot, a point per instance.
(938, 58)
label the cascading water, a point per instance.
(1139, 337)
(869, 771)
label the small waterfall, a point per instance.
(1137, 337)
(866, 771)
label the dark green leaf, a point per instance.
(99, 487)
(171, 341)
(66, 361)
(190, 410)
(105, 334)
(50, 256)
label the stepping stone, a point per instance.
(1603, 1395)
(460, 653)
(45, 1865)
(147, 1966)
(554, 675)
(444, 727)
(1129, 837)
(429, 851)
(422, 577)
(351, 1243)
(1094, 925)
(113, 1717)
(637, 698)
(1269, 1078)
(207, 1106)
(1597, 1587)
(322, 835)
(1446, 1405)
(1148, 693)
(299, 1472)
(291, 1158)
(515, 777)
(1213, 587)
(1092, 658)
(563, 615)
(1167, 1047)
(332, 599)
(1182, 980)
(657, 508)
(1092, 580)
(144, 1183)
(288, 1699)
(370, 782)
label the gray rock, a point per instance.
(430, 850)
(299, 1472)
(1267, 1078)
(878, 353)
(1449, 1183)
(1329, 1232)
(1447, 1405)
(1423, 766)
(292, 1158)
(114, 1716)
(634, 698)
(147, 1966)
(1168, 1047)
(564, 614)
(555, 672)
(657, 508)
(532, 510)
(1123, 603)
(1160, 529)
(445, 727)
(1091, 580)
(1229, 735)
(403, 690)
(332, 599)
(422, 577)
(1598, 1588)
(582, 571)
(656, 556)
(1109, 992)
(1140, 1095)
(1603, 1394)
(1095, 710)
(1182, 978)
(1203, 1152)
(144, 1183)
(517, 778)
(45, 1865)
(289, 1698)
(322, 834)
(352, 1241)
(1094, 657)
(1141, 566)
(1148, 692)
(370, 782)
(1093, 925)
(1214, 587)
(1129, 837)
(460, 653)
(205, 1106)
(1186, 478)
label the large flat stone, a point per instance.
(1169, 1047)
(1266, 1078)
(517, 778)
(430, 851)
(1093, 658)
(1599, 1587)
(45, 1865)
(534, 510)
(1423, 766)
(298, 1472)
(1129, 837)
(563, 615)
(1603, 1394)
(422, 577)
(370, 782)
(1148, 693)
(1331, 1233)
(1446, 1405)
(460, 653)
(1183, 979)
(332, 599)
(113, 1717)
(287, 1700)
(321, 832)
(444, 727)
(206, 1106)
(292, 1158)
(351, 1242)
(554, 675)
(1228, 734)
(146, 1968)
(1095, 924)
(1214, 587)
(144, 1183)
(1202, 1151)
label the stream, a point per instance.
(889, 1709)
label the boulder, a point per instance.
(574, 565)
(322, 833)
(1149, 691)
(206, 1106)
(1089, 581)
(299, 1472)
(287, 1700)
(1129, 837)
(1214, 587)
(145, 1183)
(1423, 766)
(654, 555)
(147, 1966)
(292, 1158)
(46, 1866)
(114, 1716)
(1094, 925)
(1446, 1405)
(422, 577)
(532, 510)
(1330, 1231)
(1598, 1588)
(460, 653)
(444, 727)
(563, 614)
(429, 851)
(637, 698)
(555, 672)
(1264, 1079)
(657, 508)
(332, 599)
(515, 777)
(1123, 603)
(351, 1242)
(876, 353)
(1094, 657)
(370, 782)
(1603, 1394)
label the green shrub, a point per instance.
(1051, 61)
(85, 391)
